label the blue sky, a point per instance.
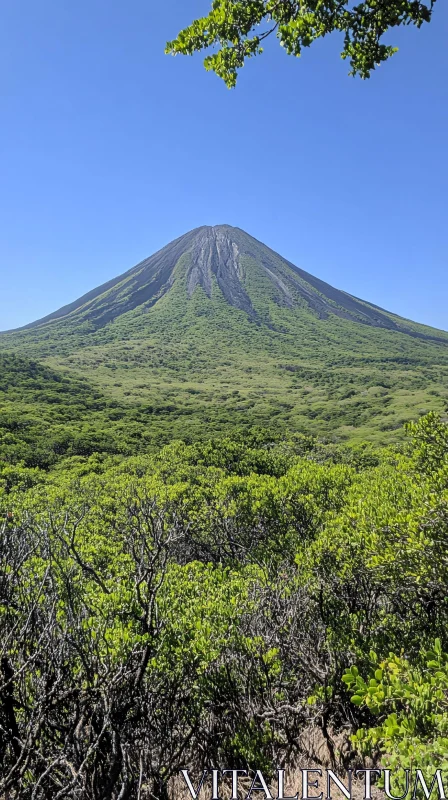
(109, 149)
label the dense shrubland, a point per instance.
(206, 604)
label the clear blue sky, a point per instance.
(109, 149)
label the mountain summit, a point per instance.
(222, 261)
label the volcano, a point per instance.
(216, 330)
(219, 260)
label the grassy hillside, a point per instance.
(210, 364)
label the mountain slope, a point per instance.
(216, 330)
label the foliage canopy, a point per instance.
(238, 28)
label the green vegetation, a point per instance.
(215, 535)
(46, 416)
(208, 603)
(413, 705)
(234, 27)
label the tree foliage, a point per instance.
(239, 27)
(411, 702)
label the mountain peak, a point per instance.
(216, 254)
